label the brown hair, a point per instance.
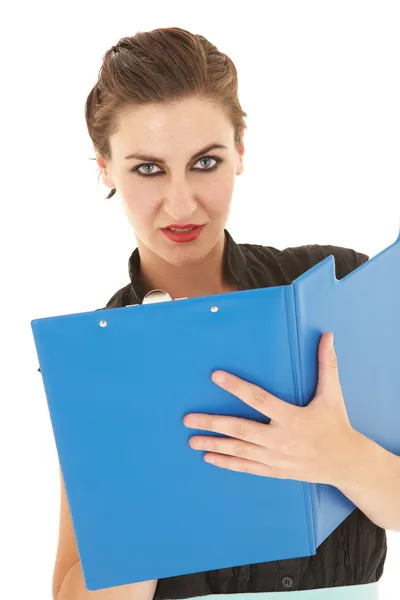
(163, 65)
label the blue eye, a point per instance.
(217, 159)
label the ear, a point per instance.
(104, 170)
(240, 149)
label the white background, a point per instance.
(320, 82)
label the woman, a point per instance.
(167, 128)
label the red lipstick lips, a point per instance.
(183, 233)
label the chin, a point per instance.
(184, 257)
(181, 254)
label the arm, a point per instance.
(371, 480)
(73, 587)
(68, 582)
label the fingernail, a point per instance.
(218, 377)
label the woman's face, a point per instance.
(169, 186)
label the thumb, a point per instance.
(328, 371)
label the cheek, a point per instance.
(217, 198)
(140, 208)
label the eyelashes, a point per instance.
(217, 159)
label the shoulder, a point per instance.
(346, 259)
(123, 297)
(296, 260)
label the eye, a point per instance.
(147, 173)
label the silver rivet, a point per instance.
(103, 323)
(214, 309)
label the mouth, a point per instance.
(189, 233)
(181, 228)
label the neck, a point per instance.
(204, 279)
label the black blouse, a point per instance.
(355, 551)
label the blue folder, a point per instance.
(118, 383)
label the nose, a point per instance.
(179, 202)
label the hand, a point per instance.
(313, 443)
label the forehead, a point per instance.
(169, 128)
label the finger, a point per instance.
(255, 396)
(242, 465)
(230, 447)
(234, 427)
(328, 371)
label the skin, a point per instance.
(184, 192)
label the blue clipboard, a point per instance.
(118, 383)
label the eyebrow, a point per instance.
(161, 160)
